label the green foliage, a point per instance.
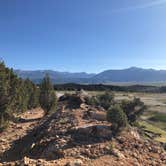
(32, 94)
(133, 109)
(48, 100)
(16, 95)
(158, 117)
(93, 101)
(111, 147)
(104, 100)
(117, 117)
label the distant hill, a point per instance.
(133, 74)
(56, 76)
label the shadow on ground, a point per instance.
(82, 136)
(22, 120)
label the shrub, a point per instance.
(133, 109)
(92, 101)
(48, 100)
(105, 100)
(117, 117)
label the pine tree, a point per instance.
(47, 95)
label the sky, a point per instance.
(83, 35)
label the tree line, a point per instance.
(103, 87)
(18, 95)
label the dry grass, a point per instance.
(154, 129)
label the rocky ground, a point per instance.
(25, 123)
(77, 135)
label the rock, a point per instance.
(73, 100)
(87, 152)
(26, 161)
(98, 115)
(92, 131)
(3, 147)
(62, 141)
(77, 162)
(88, 146)
(155, 149)
(117, 153)
(163, 156)
(103, 131)
(135, 155)
(2, 140)
(135, 134)
(57, 136)
(33, 145)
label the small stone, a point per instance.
(77, 162)
(2, 140)
(57, 136)
(89, 146)
(33, 145)
(26, 160)
(135, 155)
(3, 147)
(117, 153)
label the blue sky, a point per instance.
(83, 35)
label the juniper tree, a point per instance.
(16, 95)
(47, 98)
(117, 117)
(4, 98)
(133, 109)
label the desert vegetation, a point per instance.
(117, 117)
(18, 95)
(108, 87)
(47, 96)
(79, 126)
(82, 131)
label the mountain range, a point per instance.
(133, 74)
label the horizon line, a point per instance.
(125, 68)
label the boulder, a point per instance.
(73, 100)
(87, 132)
(98, 115)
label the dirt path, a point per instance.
(27, 122)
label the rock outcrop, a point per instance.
(78, 136)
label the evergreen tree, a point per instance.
(48, 99)
(117, 117)
(4, 98)
(133, 109)
(33, 92)
(16, 95)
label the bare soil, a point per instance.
(27, 121)
(76, 137)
